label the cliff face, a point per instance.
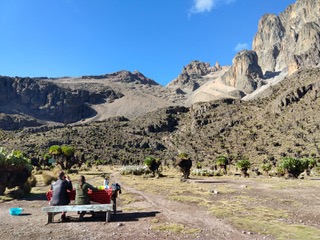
(291, 40)
(46, 101)
(245, 73)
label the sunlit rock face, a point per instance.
(291, 40)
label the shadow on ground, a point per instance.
(119, 217)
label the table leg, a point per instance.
(108, 215)
(50, 217)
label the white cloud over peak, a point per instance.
(241, 46)
(201, 6)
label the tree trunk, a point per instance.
(2, 189)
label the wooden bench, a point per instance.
(52, 210)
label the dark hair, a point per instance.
(61, 175)
(81, 180)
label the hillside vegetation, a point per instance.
(283, 124)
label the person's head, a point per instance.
(81, 180)
(62, 175)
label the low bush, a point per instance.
(48, 178)
(293, 167)
(266, 167)
(203, 172)
(244, 165)
(134, 170)
(153, 164)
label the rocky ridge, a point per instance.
(291, 40)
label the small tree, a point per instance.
(244, 166)
(153, 164)
(266, 167)
(64, 156)
(68, 156)
(222, 162)
(293, 166)
(185, 164)
(310, 163)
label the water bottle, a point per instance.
(106, 183)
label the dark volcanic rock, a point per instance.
(125, 76)
(44, 100)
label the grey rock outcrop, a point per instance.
(46, 101)
(291, 40)
(245, 73)
(190, 78)
(125, 77)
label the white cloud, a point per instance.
(241, 46)
(201, 6)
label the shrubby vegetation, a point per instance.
(185, 164)
(293, 167)
(153, 164)
(15, 170)
(134, 170)
(64, 156)
(244, 166)
(206, 172)
(222, 162)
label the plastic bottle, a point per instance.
(106, 183)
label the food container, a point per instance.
(15, 211)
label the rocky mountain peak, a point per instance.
(245, 73)
(191, 77)
(291, 40)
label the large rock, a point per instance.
(245, 73)
(289, 41)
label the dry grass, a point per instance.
(175, 228)
(237, 203)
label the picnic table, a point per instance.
(100, 196)
(105, 201)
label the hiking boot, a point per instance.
(81, 216)
(64, 218)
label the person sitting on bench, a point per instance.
(82, 196)
(60, 193)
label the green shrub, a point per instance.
(55, 150)
(293, 166)
(67, 151)
(153, 164)
(15, 169)
(222, 162)
(244, 166)
(266, 167)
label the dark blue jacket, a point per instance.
(59, 192)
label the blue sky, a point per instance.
(56, 38)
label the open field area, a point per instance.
(165, 208)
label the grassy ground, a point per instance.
(283, 209)
(260, 205)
